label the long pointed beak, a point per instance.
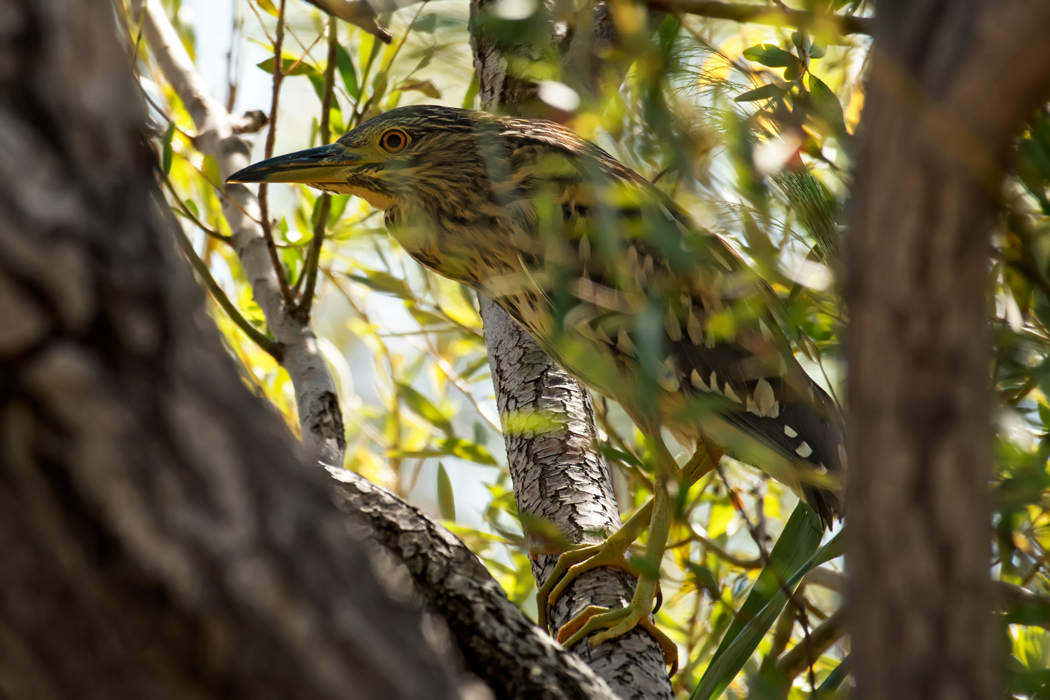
(314, 166)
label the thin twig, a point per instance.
(190, 215)
(271, 135)
(324, 202)
(222, 300)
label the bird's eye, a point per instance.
(394, 141)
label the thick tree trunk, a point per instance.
(560, 477)
(949, 85)
(160, 535)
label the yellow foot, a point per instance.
(615, 623)
(571, 565)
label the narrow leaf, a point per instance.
(165, 158)
(425, 408)
(383, 282)
(761, 93)
(267, 6)
(794, 554)
(347, 72)
(287, 63)
(446, 498)
(210, 168)
(467, 450)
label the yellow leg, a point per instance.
(658, 514)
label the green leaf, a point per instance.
(287, 63)
(826, 103)
(425, 408)
(467, 450)
(761, 93)
(347, 72)
(793, 71)
(446, 498)
(770, 55)
(794, 554)
(705, 580)
(165, 157)
(210, 168)
(383, 282)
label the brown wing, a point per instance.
(666, 303)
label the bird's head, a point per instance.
(423, 155)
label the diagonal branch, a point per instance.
(498, 643)
(319, 414)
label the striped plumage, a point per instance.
(609, 275)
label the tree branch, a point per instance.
(324, 201)
(809, 649)
(315, 394)
(499, 644)
(762, 14)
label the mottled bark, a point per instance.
(159, 535)
(499, 644)
(560, 477)
(950, 83)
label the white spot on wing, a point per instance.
(731, 395)
(694, 329)
(672, 326)
(697, 381)
(804, 450)
(764, 398)
(790, 432)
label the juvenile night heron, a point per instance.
(614, 281)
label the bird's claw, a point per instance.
(573, 564)
(616, 622)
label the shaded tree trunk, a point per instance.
(160, 537)
(160, 533)
(950, 83)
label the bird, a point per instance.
(619, 285)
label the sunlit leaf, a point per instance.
(267, 6)
(425, 408)
(290, 66)
(446, 498)
(382, 282)
(794, 554)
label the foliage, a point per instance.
(751, 129)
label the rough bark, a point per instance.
(949, 86)
(315, 396)
(159, 535)
(560, 477)
(499, 644)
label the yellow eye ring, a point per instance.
(393, 141)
